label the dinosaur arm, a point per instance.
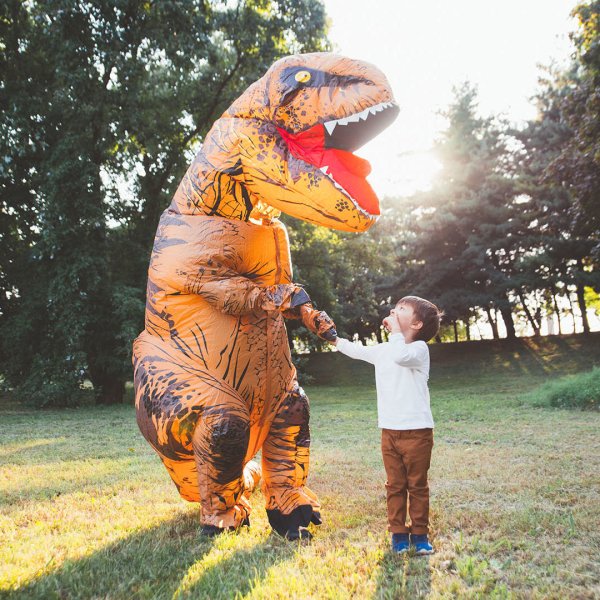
(234, 294)
(203, 256)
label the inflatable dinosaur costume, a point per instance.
(214, 381)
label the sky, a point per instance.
(425, 47)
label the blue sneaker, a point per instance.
(400, 543)
(421, 544)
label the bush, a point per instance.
(574, 391)
(301, 363)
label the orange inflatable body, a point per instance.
(214, 379)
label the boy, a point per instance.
(404, 415)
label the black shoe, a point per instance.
(293, 526)
(300, 534)
(213, 530)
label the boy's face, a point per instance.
(402, 319)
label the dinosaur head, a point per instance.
(295, 131)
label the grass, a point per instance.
(87, 510)
(581, 390)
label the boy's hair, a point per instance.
(426, 312)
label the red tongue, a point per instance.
(347, 170)
(355, 164)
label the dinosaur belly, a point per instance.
(249, 351)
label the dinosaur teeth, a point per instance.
(355, 118)
(363, 115)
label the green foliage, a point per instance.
(341, 272)
(498, 232)
(103, 104)
(592, 299)
(491, 363)
(561, 254)
(580, 391)
(578, 166)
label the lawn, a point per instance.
(87, 510)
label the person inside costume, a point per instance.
(214, 380)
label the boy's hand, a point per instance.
(391, 324)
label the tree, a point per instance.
(462, 238)
(560, 259)
(103, 104)
(578, 165)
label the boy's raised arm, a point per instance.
(408, 355)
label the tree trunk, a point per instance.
(572, 310)
(534, 325)
(492, 323)
(110, 391)
(582, 308)
(556, 309)
(581, 301)
(468, 330)
(455, 330)
(108, 388)
(509, 323)
(438, 339)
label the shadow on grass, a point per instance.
(238, 573)
(41, 452)
(405, 576)
(50, 489)
(41, 446)
(172, 560)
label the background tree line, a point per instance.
(104, 104)
(510, 228)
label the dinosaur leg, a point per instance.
(199, 426)
(220, 442)
(285, 456)
(185, 476)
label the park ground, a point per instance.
(87, 510)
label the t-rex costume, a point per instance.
(214, 380)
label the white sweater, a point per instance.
(401, 374)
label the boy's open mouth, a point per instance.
(329, 146)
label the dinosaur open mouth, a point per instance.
(329, 146)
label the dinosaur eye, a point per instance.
(302, 76)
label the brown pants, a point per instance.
(406, 458)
